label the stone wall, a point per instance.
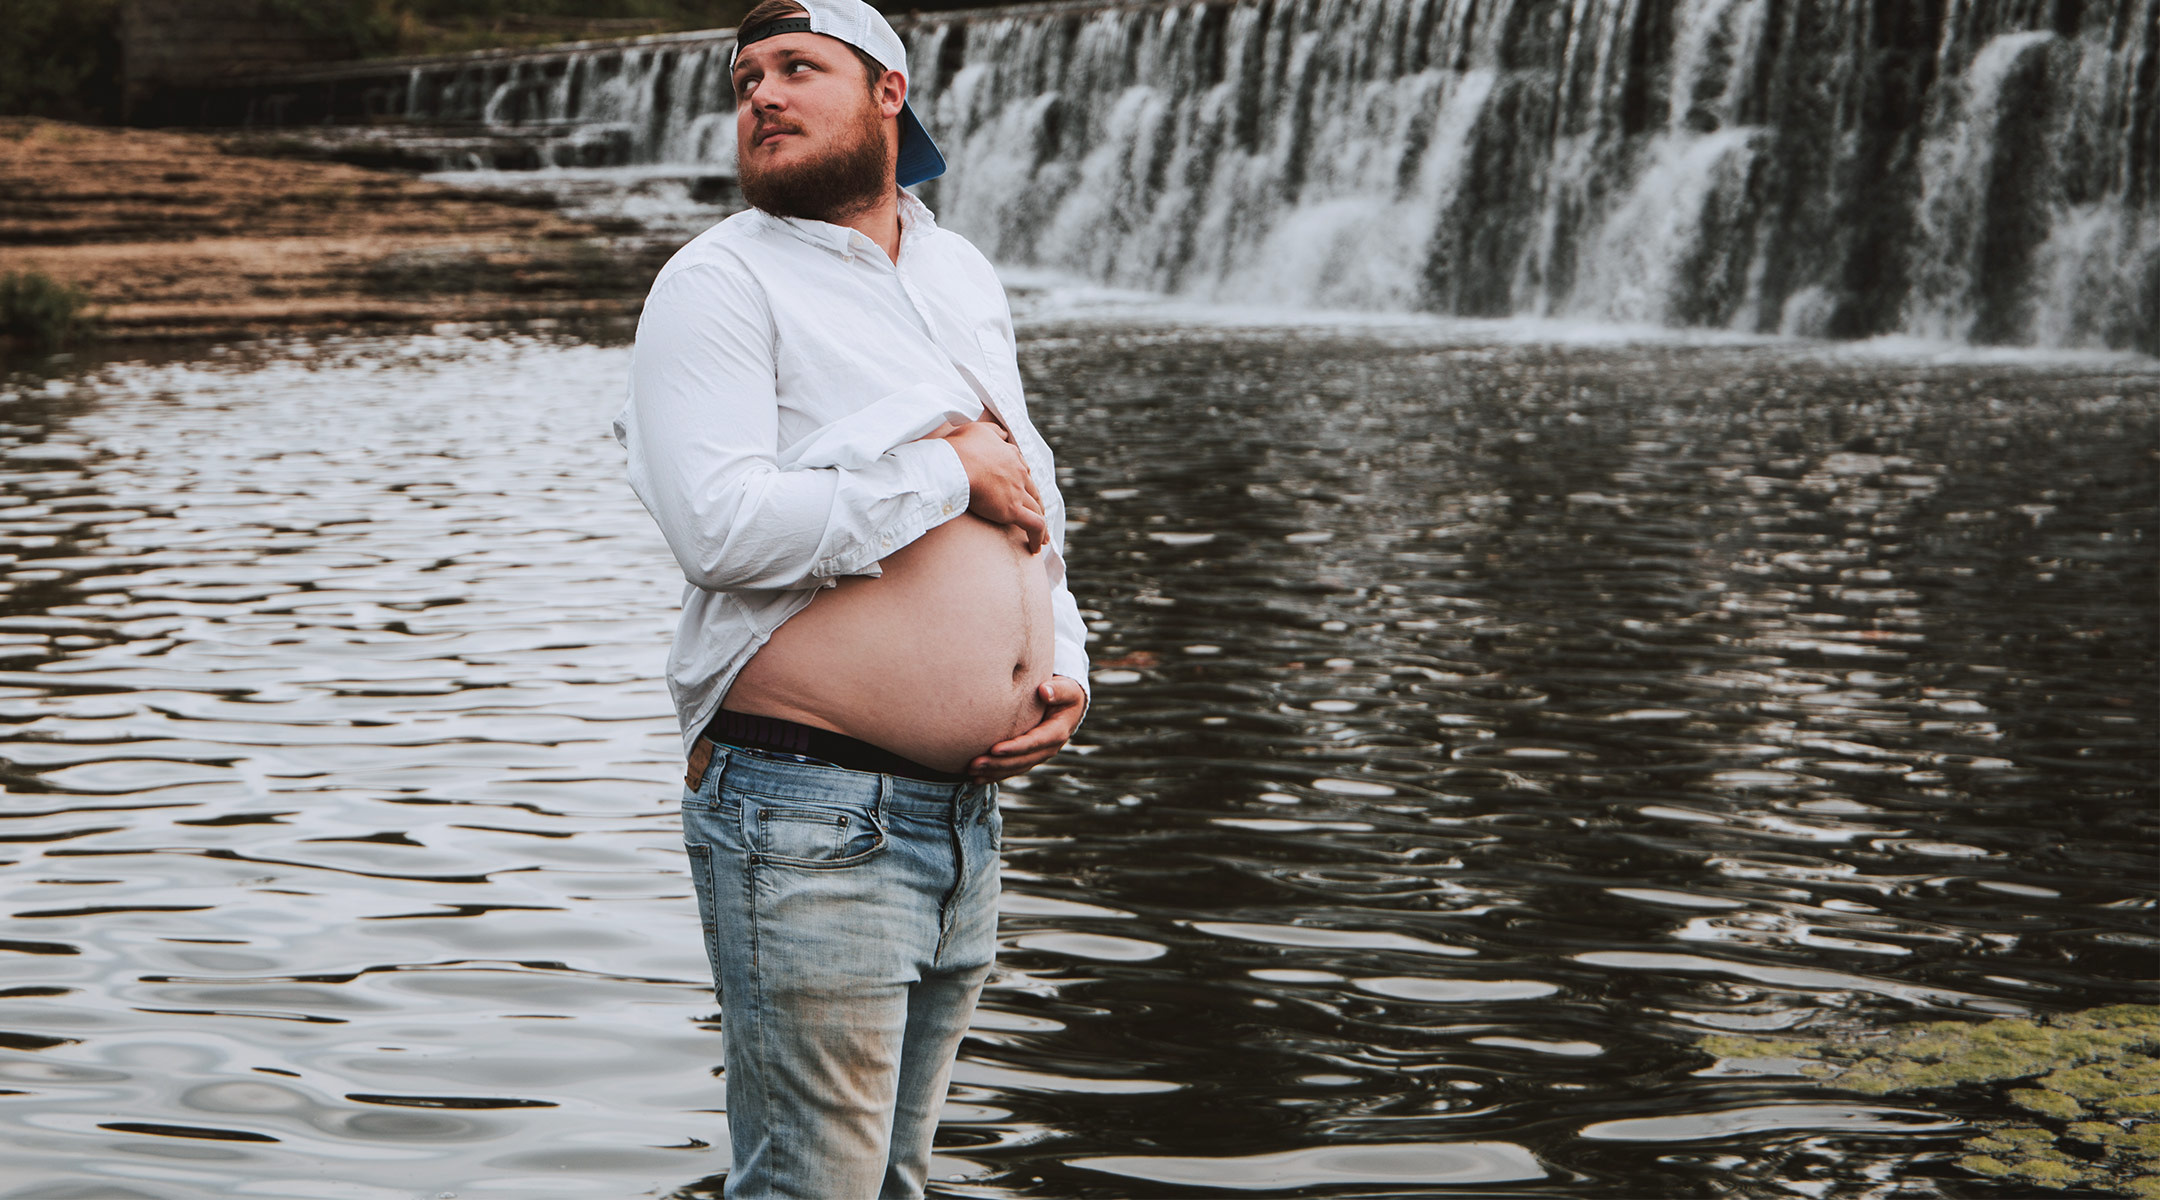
(172, 51)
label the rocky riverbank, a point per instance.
(176, 235)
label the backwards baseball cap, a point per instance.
(864, 28)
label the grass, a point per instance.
(39, 312)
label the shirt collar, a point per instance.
(916, 219)
(915, 216)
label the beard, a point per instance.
(850, 176)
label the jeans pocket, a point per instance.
(800, 834)
(701, 878)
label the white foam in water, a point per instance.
(1044, 299)
(660, 198)
(1041, 297)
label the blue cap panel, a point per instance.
(919, 159)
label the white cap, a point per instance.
(866, 29)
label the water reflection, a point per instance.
(1476, 725)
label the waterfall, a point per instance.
(647, 100)
(1979, 170)
(1976, 170)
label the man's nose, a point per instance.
(762, 98)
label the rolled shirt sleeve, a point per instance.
(701, 429)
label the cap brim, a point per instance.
(919, 159)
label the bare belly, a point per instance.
(937, 659)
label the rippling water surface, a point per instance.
(1478, 724)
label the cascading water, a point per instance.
(1984, 170)
(1987, 171)
(655, 100)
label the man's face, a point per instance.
(811, 138)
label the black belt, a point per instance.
(752, 732)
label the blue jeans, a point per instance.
(851, 919)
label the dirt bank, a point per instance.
(173, 236)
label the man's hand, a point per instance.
(1063, 702)
(1000, 490)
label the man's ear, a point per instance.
(891, 94)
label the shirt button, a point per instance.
(948, 508)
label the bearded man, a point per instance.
(826, 421)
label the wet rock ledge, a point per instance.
(177, 235)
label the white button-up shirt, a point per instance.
(785, 375)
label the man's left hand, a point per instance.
(1063, 702)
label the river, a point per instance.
(1484, 714)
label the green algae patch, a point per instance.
(2047, 1104)
(2095, 1074)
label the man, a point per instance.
(826, 421)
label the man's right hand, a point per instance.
(1000, 489)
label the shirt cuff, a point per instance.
(939, 476)
(1072, 662)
